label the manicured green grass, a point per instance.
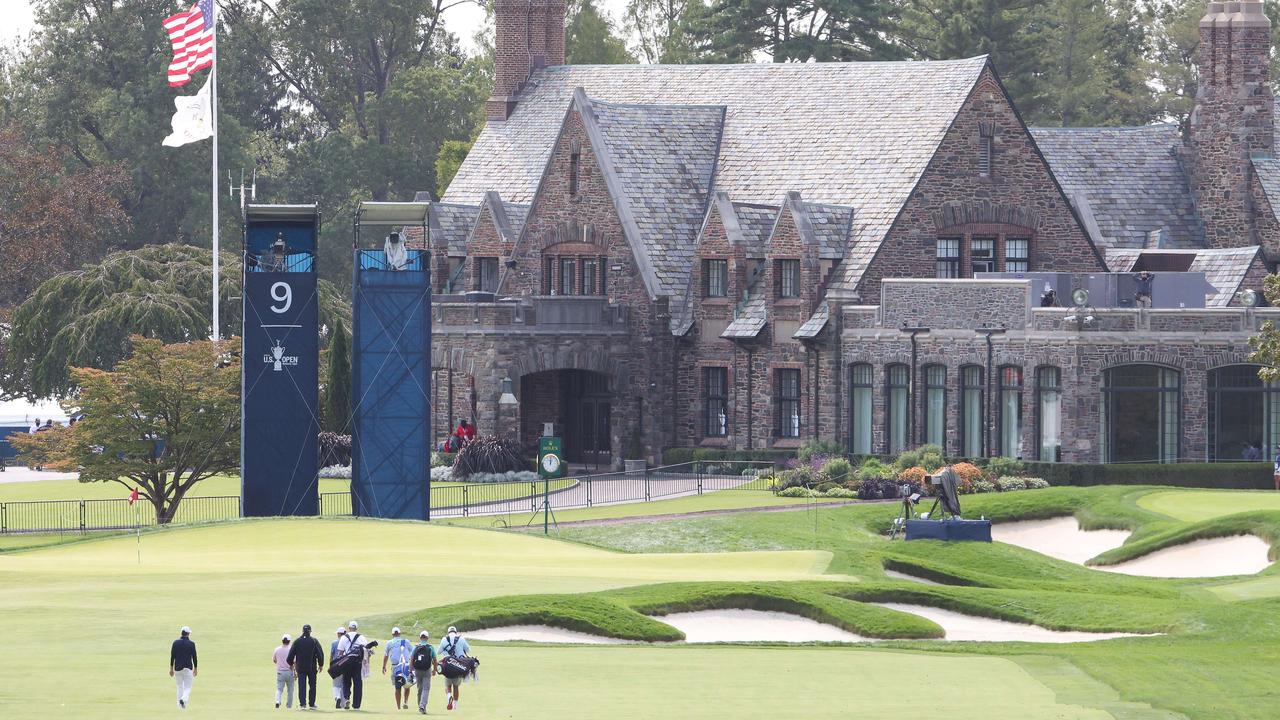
(1206, 504)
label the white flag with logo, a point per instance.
(194, 119)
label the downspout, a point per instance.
(751, 406)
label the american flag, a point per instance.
(191, 33)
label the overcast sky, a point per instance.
(464, 20)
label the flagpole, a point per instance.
(213, 106)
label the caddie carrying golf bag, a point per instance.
(456, 667)
(350, 659)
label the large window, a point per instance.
(1011, 411)
(568, 276)
(715, 278)
(487, 274)
(590, 276)
(1017, 254)
(715, 388)
(860, 409)
(949, 257)
(1049, 414)
(1141, 414)
(787, 402)
(1244, 414)
(788, 278)
(982, 254)
(573, 274)
(935, 405)
(971, 383)
(897, 385)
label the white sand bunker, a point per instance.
(1059, 537)
(709, 626)
(1215, 557)
(542, 634)
(959, 626)
(909, 578)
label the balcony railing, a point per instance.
(581, 314)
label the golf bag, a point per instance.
(456, 667)
(350, 659)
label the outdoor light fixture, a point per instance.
(1250, 298)
(506, 386)
(1080, 297)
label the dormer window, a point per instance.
(575, 159)
(715, 278)
(788, 283)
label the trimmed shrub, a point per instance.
(982, 486)
(838, 469)
(914, 475)
(796, 492)
(1036, 483)
(523, 476)
(998, 467)
(873, 469)
(1009, 483)
(840, 492)
(336, 471)
(1224, 476)
(968, 472)
(441, 473)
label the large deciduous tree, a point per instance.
(589, 37)
(793, 30)
(83, 318)
(165, 419)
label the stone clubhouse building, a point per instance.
(752, 256)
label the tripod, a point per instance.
(907, 513)
(548, 515)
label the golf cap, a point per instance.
(424, 634)
(342, 631)
(395, 631)
(285, 638)
(186, 630)
(452, 629)
(353, 625)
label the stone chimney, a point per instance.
(528, 35)
(1232, 119)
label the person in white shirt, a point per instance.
(396, 254)
(353, 679)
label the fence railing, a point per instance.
(447, 500)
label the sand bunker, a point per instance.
(909, 578)
(1216, 557)
(959, 626)
(709, 626)
(1059, 537)
(542, 634)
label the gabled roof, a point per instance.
(658, 162)
(1128, 179)
(756, 222)
(853, 134)
(749, 319)
(825, 226)
(1223, 268)
(508, 217)
(448, 223)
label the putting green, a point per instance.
(240, 585)
(1196, 505)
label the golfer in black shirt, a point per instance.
(307, 657)
(182, 665)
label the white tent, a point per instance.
(20, 412)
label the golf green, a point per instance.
(1195, 505)
(115, 604)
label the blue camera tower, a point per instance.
(280, 362)
(391, 365)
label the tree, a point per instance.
(659, 28)
(337, 397)
(82, 318)
(589, 37)
(167, 418)
(448, 160)
(1266, 344)
(54, 215)
(793, 30)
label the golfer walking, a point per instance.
(284, 673)
(339, 695)
(353, 678)
(457, 647)
(182, 665)
(307, 658)
(398, 653)
(424, 666)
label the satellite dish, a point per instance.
(1080, 297)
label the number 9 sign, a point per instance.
(283, 294)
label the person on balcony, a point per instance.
(397, 256)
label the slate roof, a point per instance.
(756, 222)
(852, 134)
(658, 161)
(830, 226)
(750, 318)
(1268, 171)
(508, 217)
(1223, 268)
(813, 326)
(1128, 180)
(447, 222)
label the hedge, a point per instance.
(679, 456)
(1231, 476)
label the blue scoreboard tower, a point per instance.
(280, 378)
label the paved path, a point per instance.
(708, 513)
(19, 474)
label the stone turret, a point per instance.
(1233, 118)
(528, 35)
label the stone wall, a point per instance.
(963, 304)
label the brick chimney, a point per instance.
(1232, 119)
(528, 35)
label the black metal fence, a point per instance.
(448, 500)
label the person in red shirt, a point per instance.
(463, 434)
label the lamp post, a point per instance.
(988, 331)
(913, 331)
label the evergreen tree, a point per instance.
(659, 28)
(337, 397)
(589, 37)
(793, 31)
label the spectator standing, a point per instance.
(353, 678)
(284, 673)
(183, 666)
(457, 647)
(307, 658)
(424, 666)
(398, 653)
(1142, 295)
(339, 695)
